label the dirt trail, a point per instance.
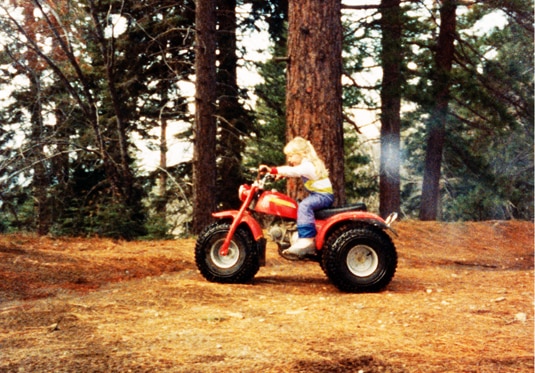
(461, 301)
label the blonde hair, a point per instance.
(304, 148)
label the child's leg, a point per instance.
(306, 223)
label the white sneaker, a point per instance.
(301, 247)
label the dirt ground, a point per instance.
(461, 301)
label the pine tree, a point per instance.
(204, 160)
(314, 88)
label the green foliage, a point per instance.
(18, 212)
(360, 175)
(87, 208)
(269, 134)
(170, 214)
(274, 13)
(487, 163)
(158, 227)
(488, 157)
(86, 180)
(105, 219)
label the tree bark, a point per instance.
(204, 160)
(231, 115)
(314, 87)
(436, 127)
(391, 57)
(162, 177)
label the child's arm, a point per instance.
(305, 169)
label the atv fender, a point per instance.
(251, 222)
(324, 226)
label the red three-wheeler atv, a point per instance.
(353, 246)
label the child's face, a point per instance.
(294, 159)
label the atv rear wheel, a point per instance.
(359, 259)
(240, 264)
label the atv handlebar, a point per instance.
(262, 178)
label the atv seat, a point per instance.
(327, 213)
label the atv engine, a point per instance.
(283, 233)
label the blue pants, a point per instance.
(306, 223)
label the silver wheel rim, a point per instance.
(224, 261)
(362, 260)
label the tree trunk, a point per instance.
(429, 208)
(314, 87)
(60, 163)
(391, 57)
(231, 115)
(204, 160)
(162, 178)
(121, 164)
(40, 182)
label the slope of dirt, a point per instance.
(461, 301)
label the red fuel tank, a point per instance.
(276, 203)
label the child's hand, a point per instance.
(263, 168)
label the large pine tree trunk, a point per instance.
(231, 115)
(391, 56)
(204, 160)
(314, 87)
(437, 123)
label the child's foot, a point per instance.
(301, 248)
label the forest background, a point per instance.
(85, 83)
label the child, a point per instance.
(305, 163)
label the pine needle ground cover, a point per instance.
(461, 301)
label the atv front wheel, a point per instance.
(359, 259)
(240, 264)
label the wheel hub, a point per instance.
(362, 260)
(224, 261)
